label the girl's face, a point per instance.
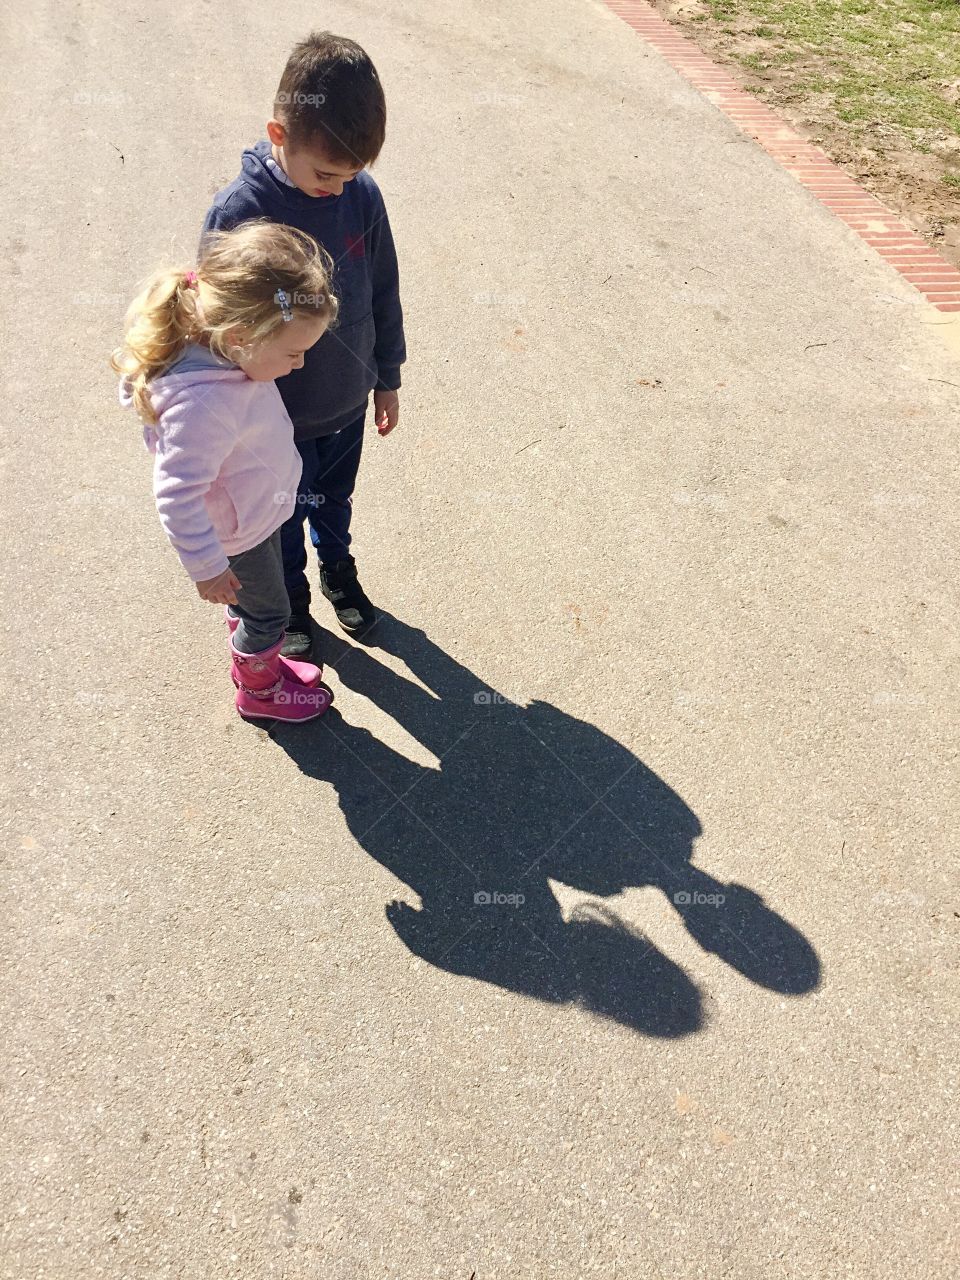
(284, 350)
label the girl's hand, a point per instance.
(386, 410)
(222, 589)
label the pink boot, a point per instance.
(299, 672)
(264, 692)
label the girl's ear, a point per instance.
(276, 133)
(235, 344)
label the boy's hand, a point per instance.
(222, 589)
(386, 410)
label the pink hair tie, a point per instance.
(191, 278)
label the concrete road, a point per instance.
(668, 541)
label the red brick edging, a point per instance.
(909, 254)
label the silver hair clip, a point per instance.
(282, 300)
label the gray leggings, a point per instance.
(262, 604)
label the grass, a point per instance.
(861, 53)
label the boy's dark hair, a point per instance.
(330, 93)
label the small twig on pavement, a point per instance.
(530, 445)
(117, 150)
(810, 345)
(944, 381)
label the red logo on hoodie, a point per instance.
(354, 247)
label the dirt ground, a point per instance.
(914, 172)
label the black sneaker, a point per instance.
(299, 638)
(298, 641)
(340, 585)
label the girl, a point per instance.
(201, 352)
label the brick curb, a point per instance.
(910, 255)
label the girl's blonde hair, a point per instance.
(252, 279)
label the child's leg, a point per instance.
(292, 544)
(335, 478)
(265, 689)
(262, 605)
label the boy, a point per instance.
(328, 124)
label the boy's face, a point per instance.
(310, 166)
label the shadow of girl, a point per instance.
(525, 795)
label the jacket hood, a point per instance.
(256, 173)
(169, 387)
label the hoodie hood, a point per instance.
(194, 370)
(268, 187)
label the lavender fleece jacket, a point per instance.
(226, 469)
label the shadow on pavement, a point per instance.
(524, 793)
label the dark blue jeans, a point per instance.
(325, 501)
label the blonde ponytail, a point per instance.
(160, 322)
(244, 273)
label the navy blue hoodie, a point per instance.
(365, 349)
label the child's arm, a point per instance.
(190, 453)
(220, 590)
(390, 349)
